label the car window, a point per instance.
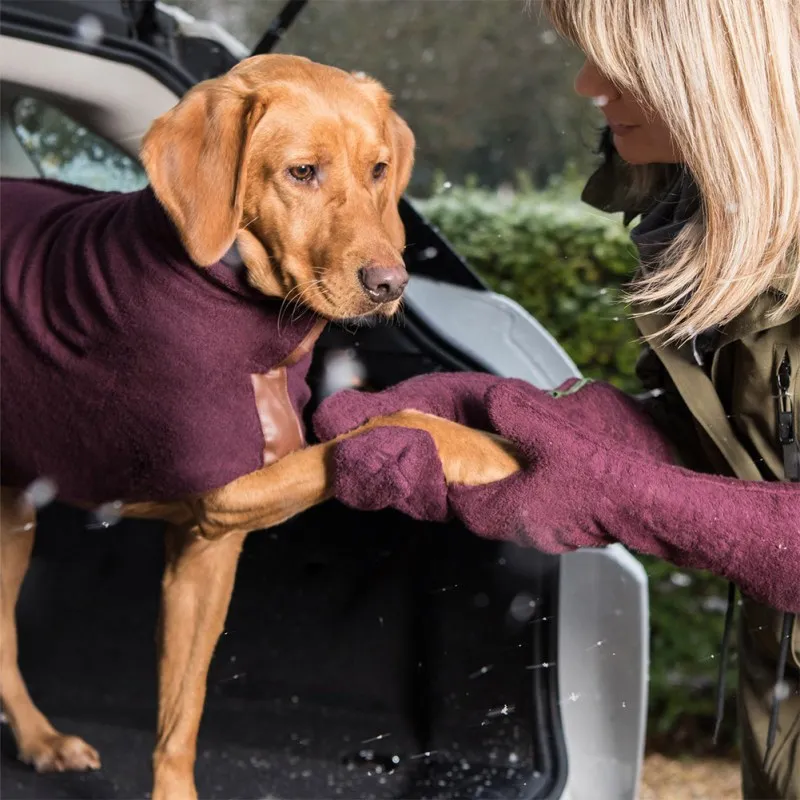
(64, 150)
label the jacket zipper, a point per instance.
(786, 436)
(791, 469)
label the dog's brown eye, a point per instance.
(379, 170)
(303, 173)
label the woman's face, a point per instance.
(639, 138)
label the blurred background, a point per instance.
(504, 147)
(486, 87)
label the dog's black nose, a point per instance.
(383, 284)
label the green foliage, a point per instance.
(566, 264)
(687, 611)
(561, 260)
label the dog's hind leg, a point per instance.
(38, 742)
(196, 591)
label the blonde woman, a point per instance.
(702, 101)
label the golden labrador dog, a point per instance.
(301, 166)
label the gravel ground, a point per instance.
(690, 779)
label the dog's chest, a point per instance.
(278, 415)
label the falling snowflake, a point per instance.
(482, 671)
(341, 369)
(504, 711)
(108, 514)
(782, 691)
(41, 492)
(376, 738)
(522, 607)
(426, 754)
(89, 30)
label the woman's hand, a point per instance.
(400, 468)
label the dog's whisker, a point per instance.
(300, 310)
(298, 289)
(301, 291)
(299, 301)
(284, 304)
(296, 317)
(398, 318)
(306, 289)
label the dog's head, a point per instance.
(302, 166)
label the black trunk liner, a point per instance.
(364, 656)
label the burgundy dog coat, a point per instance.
(129, 373)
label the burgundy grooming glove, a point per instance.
(391, 468)
(460, 397)
(399, 467)
(578, 491)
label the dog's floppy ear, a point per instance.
(403, 144)
(195, 156)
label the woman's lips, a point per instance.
(618, 129)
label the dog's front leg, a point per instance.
(302, 479)
(197, 586)
(202, 558)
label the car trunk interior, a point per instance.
(364, 655)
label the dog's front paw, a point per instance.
(55, 752)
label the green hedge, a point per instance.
(566, 263)
(562, 260)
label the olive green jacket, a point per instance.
(735, 406)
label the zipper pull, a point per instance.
(786, 437)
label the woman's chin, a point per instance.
(639, 153)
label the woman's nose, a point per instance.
(591, 83)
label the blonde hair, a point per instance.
(724, 76)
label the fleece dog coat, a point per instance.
(128, 372)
